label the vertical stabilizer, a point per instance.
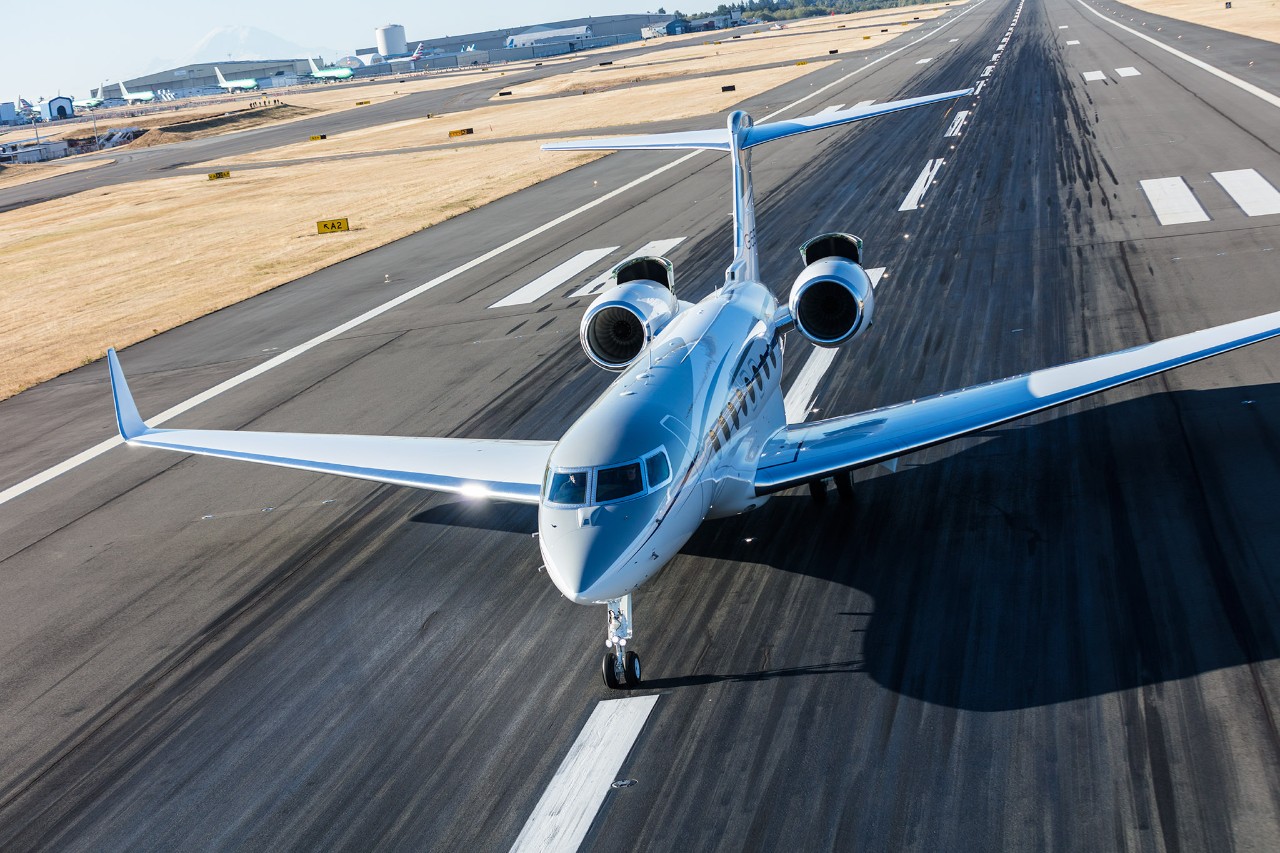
(745, 267)
(314, 69)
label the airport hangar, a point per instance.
(199, 78)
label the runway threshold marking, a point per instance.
(804, 390)
(653, 247)
(1217, 72)
(834, 108)
(1254, 193)
(569, 805)
(921, 186)
(1173, 201)
(91, 453)
(1094, 76)
(1128, 72)
(1073, 41)
(549, 281)
(957, 123)
(864, 103)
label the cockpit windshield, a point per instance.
(568, 487)
(621, 481)
(589, 486)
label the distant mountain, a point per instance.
(232, 43)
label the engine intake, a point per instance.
(832, 300)
(622, 321)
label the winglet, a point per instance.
(127, 418)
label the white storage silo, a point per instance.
(390, 40)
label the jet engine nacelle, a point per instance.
(623, 320)
(832, 300)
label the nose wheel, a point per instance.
(620, 667)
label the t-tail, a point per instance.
(737, 139)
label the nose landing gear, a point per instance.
(620, 668)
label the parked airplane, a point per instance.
(335, 73)
(417, 54)
(245, 84)
(694, 426)
(136, 97)
(92, 102)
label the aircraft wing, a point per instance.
(503, 470)
(799, 453)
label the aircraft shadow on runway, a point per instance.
(1050, 561)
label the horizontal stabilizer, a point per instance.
(719, 139)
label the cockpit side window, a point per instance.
(618, 482)
(568, 487)
(658, 468)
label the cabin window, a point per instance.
(618, 482)
(568, 487)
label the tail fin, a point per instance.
(738, 138)
(222, 81)
(124, 93)
(417, 54)
(312, 62)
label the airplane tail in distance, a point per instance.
(222, 81)
(124, 93)
(417, 54)
(314, 68)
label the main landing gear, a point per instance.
(844, 487)
(620, 668)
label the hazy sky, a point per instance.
(73, 45)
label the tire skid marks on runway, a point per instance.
(803, 392)
(1174, 201)
(568, 807)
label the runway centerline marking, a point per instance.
(1073, 41)
(804, 390)
(1254, 193)
(549, 281)
(921, 186)
(1173, 201)
(957, 123)
(1217, 72)
(569, 805)
(91, 453)
(924, 61)
(653, 247)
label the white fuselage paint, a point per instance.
(707, 392)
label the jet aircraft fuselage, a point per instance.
(675, 439)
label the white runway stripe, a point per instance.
(804, 391)
(549, 281)
(1073, 41)
(564, 814)
(924, 61)
(1254, 193)
(653, 247)
(957, 123)
(1128, 72)
(977, 90)
(864, 103)
(834, 108)
(1094, 76)
(986, 72)
(921, 186)
(1173, 201)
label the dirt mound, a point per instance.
(199, 128)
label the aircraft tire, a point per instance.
(818, 491)
(606, 669)
(631, 669)
(844, 485)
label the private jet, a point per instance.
(694, 426)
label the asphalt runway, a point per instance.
(1060, 634)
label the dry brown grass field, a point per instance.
(1257, 18)
(116, 265)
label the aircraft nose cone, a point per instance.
(578, 557)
